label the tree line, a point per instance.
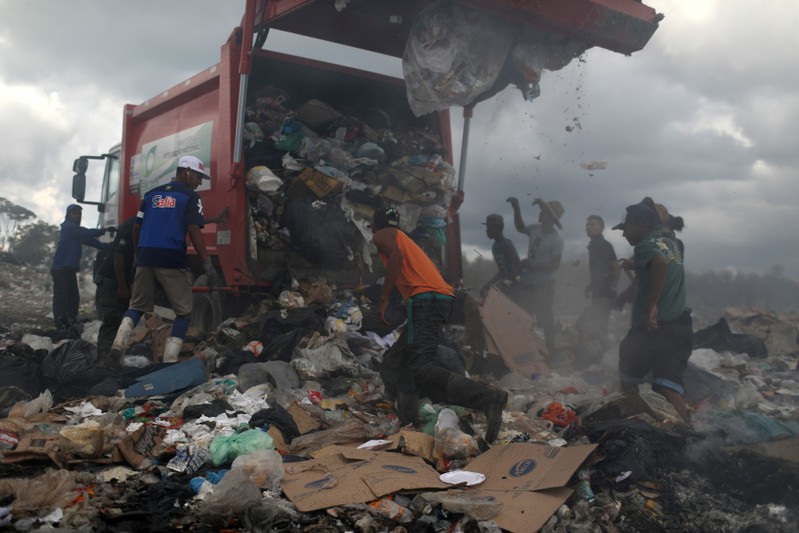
(23, 239)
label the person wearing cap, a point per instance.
(505, 255)
(660, 338)
(544, 250)
(167, 213)
(429, 303)
(66, 264)
(592, 324)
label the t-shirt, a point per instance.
(506, 257)
(601, 257)
(123, 244)
(542, 247)
(672, 299)
(418, 274)
(165, 215)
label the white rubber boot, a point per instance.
(117, 353)
(172, 349)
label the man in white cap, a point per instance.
(544, 251)
(166, 214)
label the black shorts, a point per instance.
(664, 353)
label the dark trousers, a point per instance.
(416, 349)
(538, 300)
(112, 308)
(66, 298)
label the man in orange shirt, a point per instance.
(430, 301)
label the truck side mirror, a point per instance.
(80, 166)
(79, 186)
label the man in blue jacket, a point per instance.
(66, 264)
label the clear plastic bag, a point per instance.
(265, 468)
(452, 446)
(233, 494)
(39, 405)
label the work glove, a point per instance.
(210, 272)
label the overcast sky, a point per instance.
(705, 119)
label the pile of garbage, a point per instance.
(315, 175)
(280, 421)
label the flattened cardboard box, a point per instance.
(355, 476)
(509, 331)
(414, 443)
(529, 480)
(34, 445)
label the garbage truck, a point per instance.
(301, 151)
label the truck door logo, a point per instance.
(163, 202)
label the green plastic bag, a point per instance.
(290, 142)
(225, 448)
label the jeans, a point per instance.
(418, 343)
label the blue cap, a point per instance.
(72, 207)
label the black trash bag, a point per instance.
(230, 361)
(71, 370)
(211, 409)
(9, 396)
(22, 370)
(280, 418)
(632, 446)
(719, 337)
(322, 235)
(280, 334)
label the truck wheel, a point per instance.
(206, 313)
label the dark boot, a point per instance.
(472, 394)
(407, 407)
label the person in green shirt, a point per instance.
(660, 339)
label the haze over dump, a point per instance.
(703, 119)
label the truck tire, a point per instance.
(206, 313)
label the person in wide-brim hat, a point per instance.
(544, 250)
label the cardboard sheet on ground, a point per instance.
(34, 445)
(509, 330)
(529, 480)
(355, 476)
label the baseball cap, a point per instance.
(639, 214)
(494, 220)
(72, 207)
(386, 217)
(194, 163)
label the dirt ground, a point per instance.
(26, 296)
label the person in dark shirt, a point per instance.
(66, 264)
(592, 325)
(166, 215)
(660, 340)
(509, 266)
(115, 278)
